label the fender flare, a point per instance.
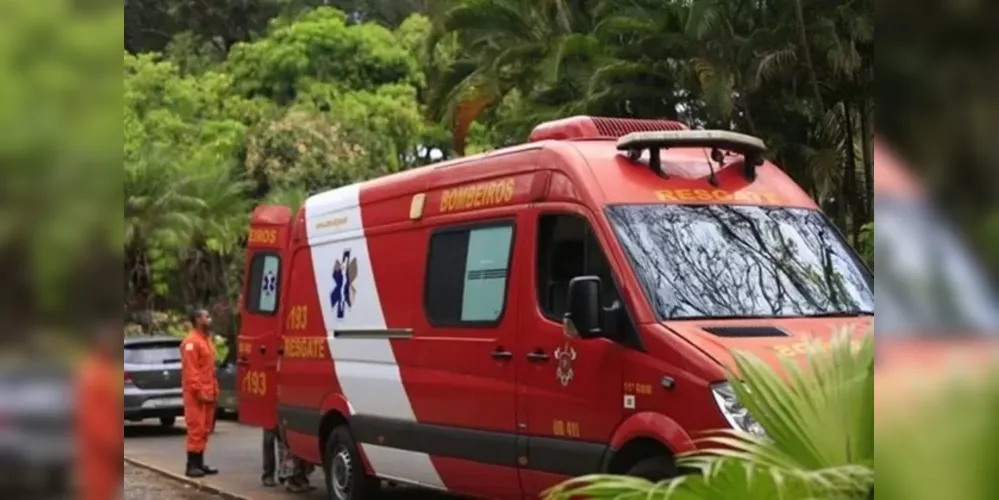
(649, 425)
(337, 402)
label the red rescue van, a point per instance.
(493, 325)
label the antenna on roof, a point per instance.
(751, 148)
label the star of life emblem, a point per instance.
(344, 278)
(269, 283)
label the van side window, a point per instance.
(467, 270)
(262, 287)
(567, 248)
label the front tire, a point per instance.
(654, 469)
(344, 469)
(168, 422)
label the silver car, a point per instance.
(153, 379)
(36, 435)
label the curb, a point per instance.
(194, 483)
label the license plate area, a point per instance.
(163, 403)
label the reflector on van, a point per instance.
(751, 148)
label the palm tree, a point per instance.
(820, 436)
(177, 213)
(506, 45)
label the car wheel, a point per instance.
(168, 421)
(658, 468)
(344, 470)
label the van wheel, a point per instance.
(168, 421)
(344, 470)
(658, 468)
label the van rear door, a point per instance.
(260, 324)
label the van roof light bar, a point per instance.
(751, 148)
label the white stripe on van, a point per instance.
(366, 368)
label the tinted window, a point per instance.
(157, 353)
(262, 287)
(467, 273)
(715, 261)
(567, 249)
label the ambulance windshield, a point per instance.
(727, 261)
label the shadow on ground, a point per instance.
(236, 450)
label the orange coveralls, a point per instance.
(99, 466)
(201, 389)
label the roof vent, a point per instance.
(590, 127)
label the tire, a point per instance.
(168, 421)
(344, 469)
(658, 468)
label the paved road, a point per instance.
(141, 484)
(235, 450)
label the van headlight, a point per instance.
(734, 412)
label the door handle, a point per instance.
(263, 349)
(242, 361)
(500, 353)
(538, 356)
(280, 351)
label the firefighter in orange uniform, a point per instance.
(201, 390)
(98, 406)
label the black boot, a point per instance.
(193, 468)
(205, 468)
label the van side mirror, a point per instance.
(583, 317)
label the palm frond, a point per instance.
(704, 17)
(566, 47)
(775, 64)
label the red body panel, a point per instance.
(591, 401)
(257, 359)
(463, 407)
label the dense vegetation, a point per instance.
(229, 104)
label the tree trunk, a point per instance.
(850, 177)
(799, 12)
(868, 138)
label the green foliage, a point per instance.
(819, 444)
(301, 149)
(57, 86)
(316, 102)
(941, 442)
(320, 47)
(386, 122)
(866, 244)
(988, 240)
(183, 134)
